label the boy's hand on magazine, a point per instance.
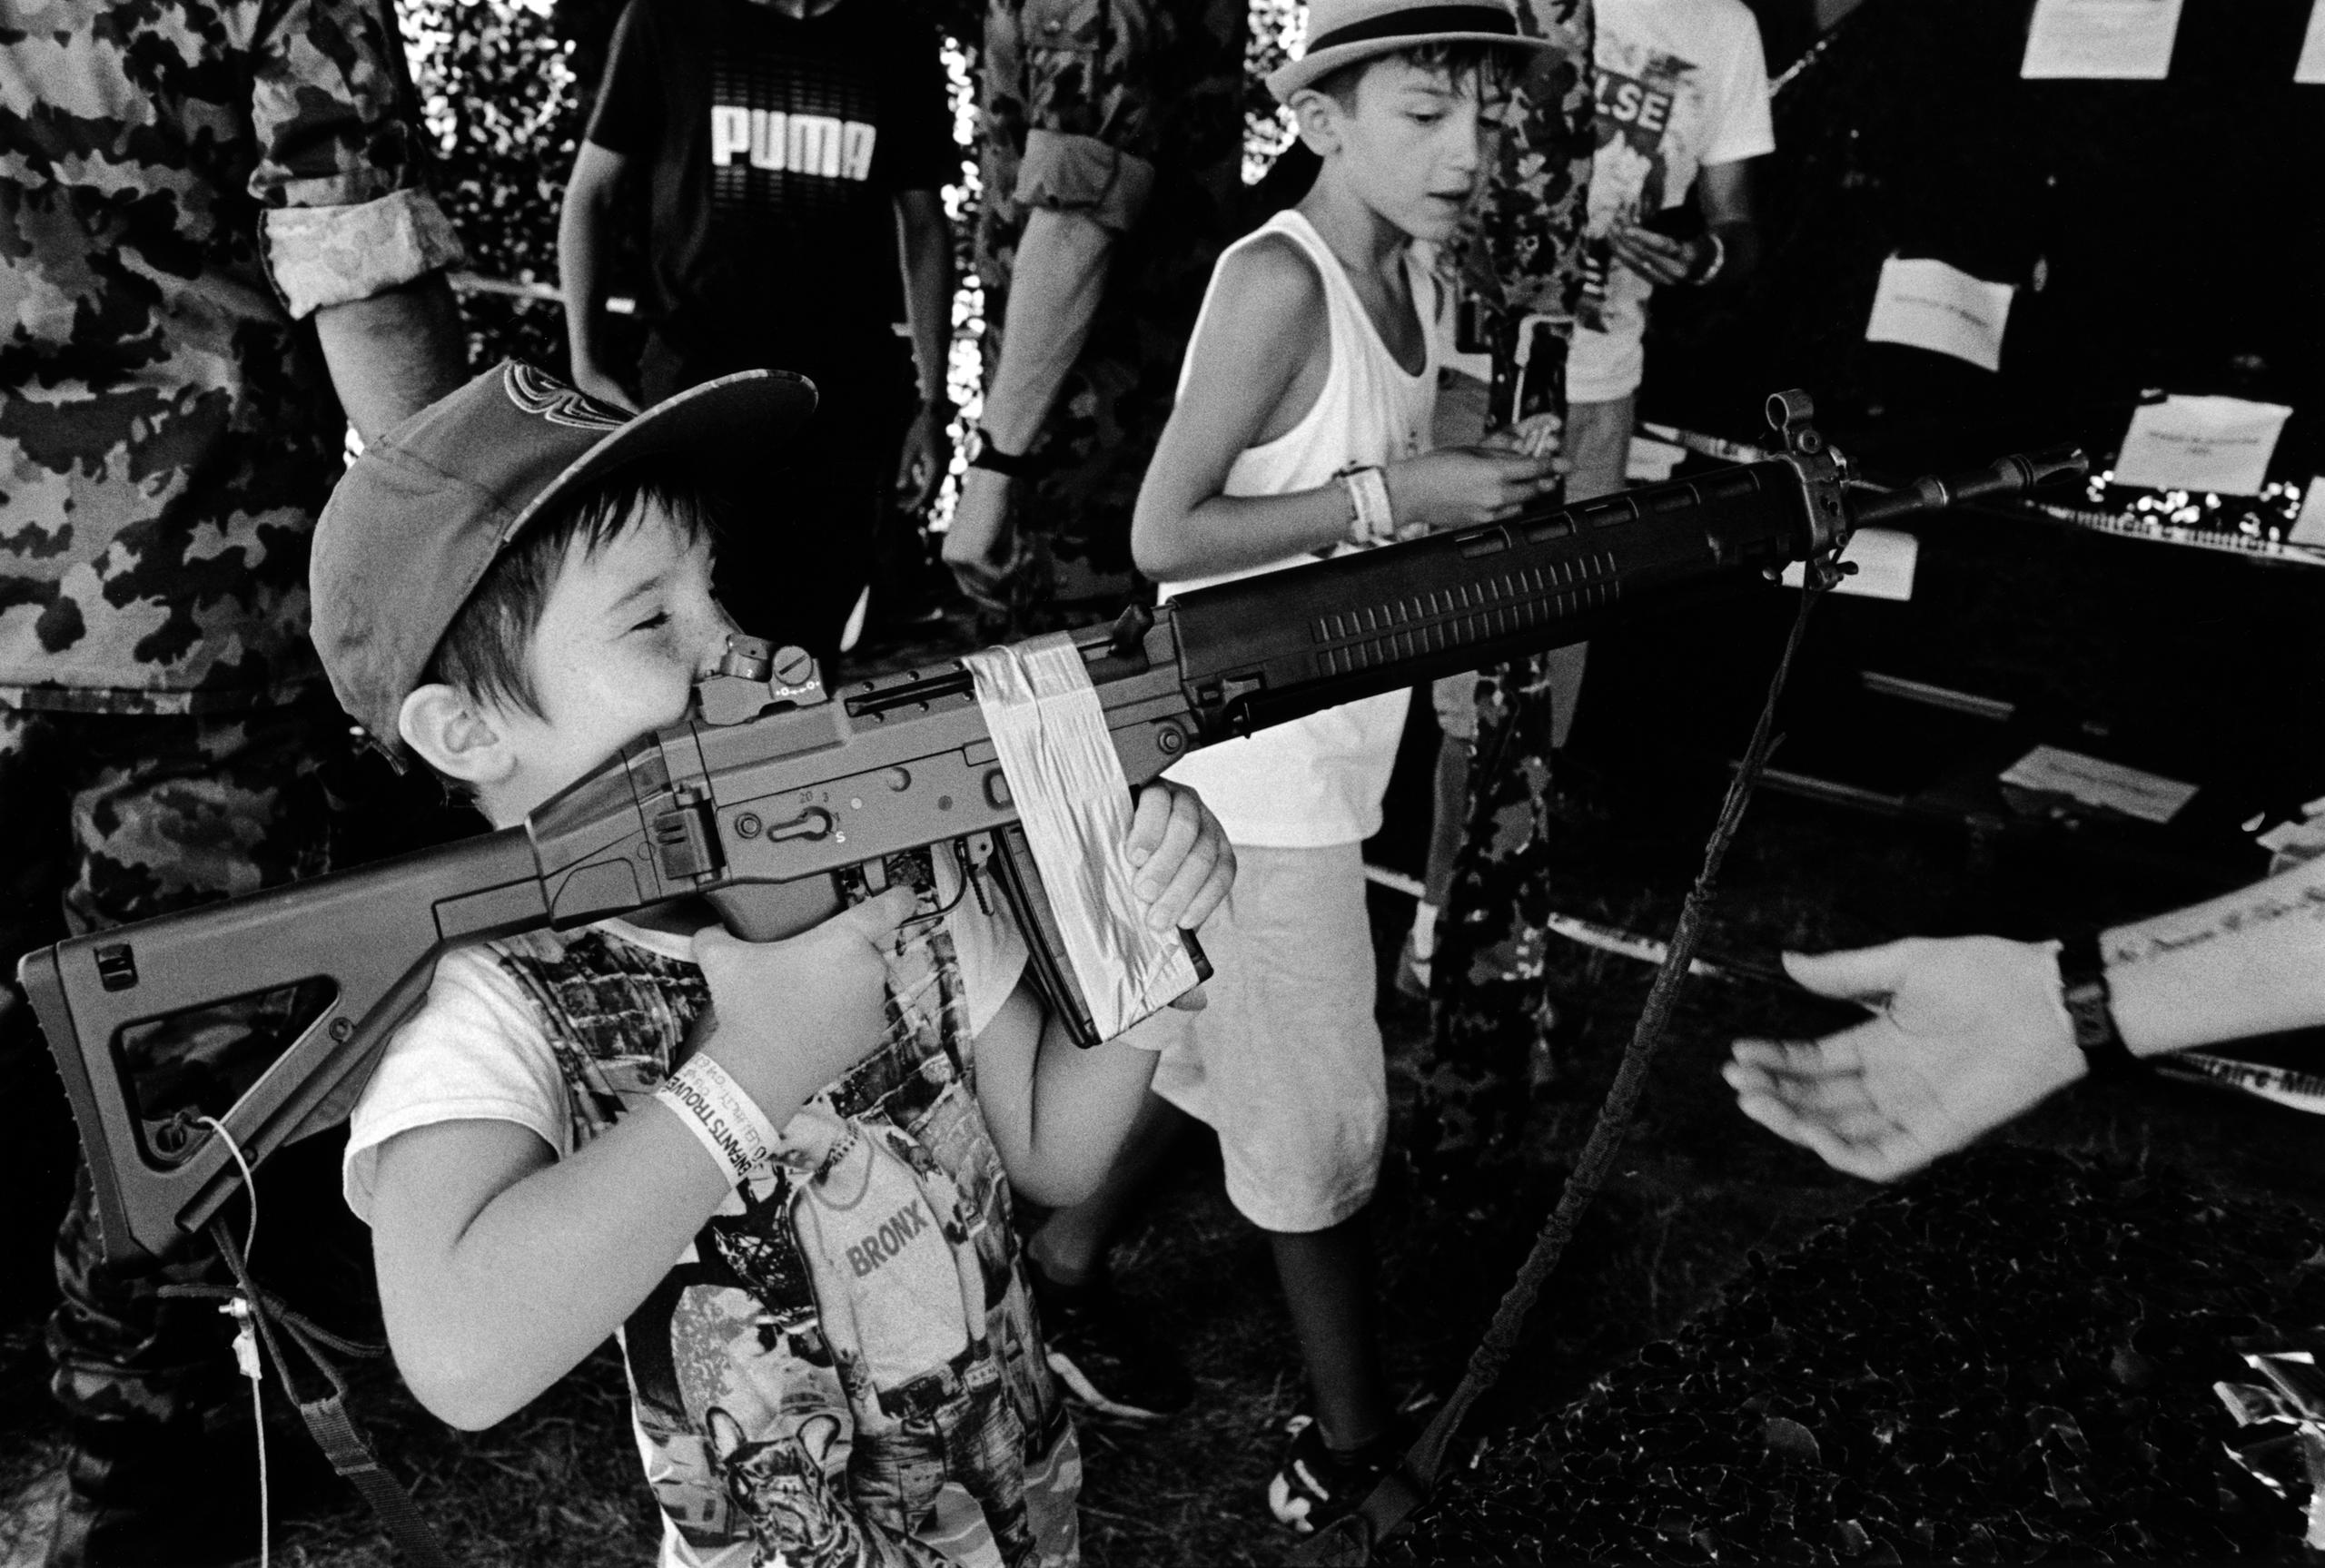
(1464, 486)
(1184, 864)
(794, 1015)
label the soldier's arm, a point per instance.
(1054, 293)
(1061, 273)
(394, 352)
(352, 235)
(1082, 192)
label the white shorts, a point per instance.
(1285, 1061)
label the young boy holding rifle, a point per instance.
(1300, 431)
(802, 1233)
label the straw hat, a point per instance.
(1342, 32)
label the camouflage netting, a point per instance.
(2009, 1360)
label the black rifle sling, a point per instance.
(327, 1418)
(1352, 1539)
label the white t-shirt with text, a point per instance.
(1681, 84)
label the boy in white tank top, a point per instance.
(1300, 431)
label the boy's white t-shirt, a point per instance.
(842, 1312)
(1319, 779)
(1680, 83)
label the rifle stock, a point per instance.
(768, 787)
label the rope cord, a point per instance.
(326, 1417)
(1352, 1538)
(243, 1309)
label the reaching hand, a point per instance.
(927, 454)
(793, 1015)
(1971, 1033)
(1463, 487)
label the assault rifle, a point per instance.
(772, 787)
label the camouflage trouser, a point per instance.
(115, 818)
(1491, 1014)
(1519, 263)
(1487, 1006)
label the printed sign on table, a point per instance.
(1926, 304)
(1884, 561)
(2217, 444)
(2112, 40)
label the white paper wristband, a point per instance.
(718, 1111)
(1375, 522)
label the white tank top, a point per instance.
(1319, 779)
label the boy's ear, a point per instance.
(1318, 116)
(452, 738)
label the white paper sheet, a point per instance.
(1926, 304)
(2310, 67)
(2309, 527)
(1885, 561)
(2119, 40)
(2151, 797)
(2219, 443)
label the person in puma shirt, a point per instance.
(794, 153)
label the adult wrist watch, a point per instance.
(2082, 988)
(984, 454)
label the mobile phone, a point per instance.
(1684, 222)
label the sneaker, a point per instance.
(1316, 1485)
(1110, 1363)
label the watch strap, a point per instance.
(2082, 990)
(1015, 466)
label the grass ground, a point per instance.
(1700, 1189)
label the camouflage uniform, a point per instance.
(1131, 110)
(182, 181)
(1522, 260)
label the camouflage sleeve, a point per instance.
(1091, 84)
(342, 160)
(330, 255)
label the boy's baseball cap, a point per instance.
(408, 534)
(1342, 32)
